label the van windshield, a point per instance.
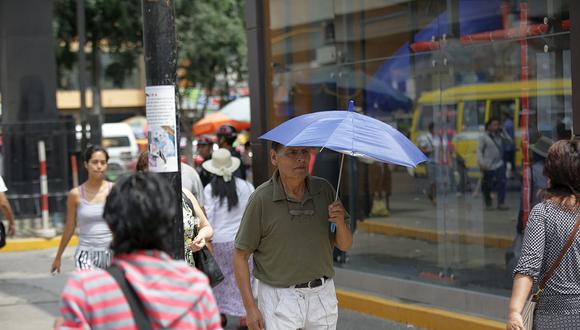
(116, 141)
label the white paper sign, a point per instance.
(160, 107)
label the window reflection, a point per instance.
(416, 63)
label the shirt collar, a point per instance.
(278, 190)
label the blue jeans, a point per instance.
(494, 180)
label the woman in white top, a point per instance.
(85, 207)
(226, 198)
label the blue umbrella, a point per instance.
(349, 133)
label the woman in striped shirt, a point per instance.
(174, 295)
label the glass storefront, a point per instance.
(453, 66)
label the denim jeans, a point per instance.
(494, 180)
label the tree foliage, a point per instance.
(211, 41)
(210, 35)
(112, 26)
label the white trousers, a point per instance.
(290, 308)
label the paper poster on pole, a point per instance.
(160, 106)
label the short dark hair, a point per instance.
(562, 166)
(491, 120)
(91, 149)
(139, 211)
(276, 146)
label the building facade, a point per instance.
(454, 65)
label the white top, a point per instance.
(225, 223)
(2, 185)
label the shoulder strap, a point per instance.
(499, 148)
(557, 262)
(141, 318)
(82, 191)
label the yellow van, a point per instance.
(464, 109)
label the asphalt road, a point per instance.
(29, 294)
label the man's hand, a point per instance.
(254, 319)
(336, 213)
(11, 229)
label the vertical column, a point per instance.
(257, 65)
(575, 63)
(160, 75)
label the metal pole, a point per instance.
(160, 76)
(45, 231)
(82, 71)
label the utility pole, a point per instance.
(160, 104)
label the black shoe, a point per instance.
(224, 320)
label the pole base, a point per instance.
(45, 233)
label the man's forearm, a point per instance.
(7, 210)
(242, 273)
(343, 239)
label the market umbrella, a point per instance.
(235, 113)
(349, 133)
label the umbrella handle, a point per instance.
(333, 225)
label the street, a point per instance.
(29, 294)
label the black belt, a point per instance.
(312, 284)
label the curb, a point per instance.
(421, 316)
(29, 244)
(488, 240)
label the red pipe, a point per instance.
(504, 34)
(525, 113)
(424, 46)
(530, 30)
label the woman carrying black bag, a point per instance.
(197, 231)
(551, 249)
(226, 198)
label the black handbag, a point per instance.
(205, 262)
(2, 235)
(203, 259)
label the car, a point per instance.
(120, 142)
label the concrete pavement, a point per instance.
(29, 294)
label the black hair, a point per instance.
(139, 213)
(431, 126)
(225, 190)
(491, 120)
(91, 149)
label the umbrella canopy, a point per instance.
(235, 113)
(349, 133)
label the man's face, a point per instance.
(204, 150)
(494, 126)
(291, 161)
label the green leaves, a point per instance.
(211, 41)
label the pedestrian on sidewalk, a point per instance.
(85, 205)
(490, 157)
(286, 226)
(193, 216)
(6, 209)
(550, 224)
(172, 294)
(226, 199)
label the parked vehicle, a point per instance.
(120, 142)
(461, 113)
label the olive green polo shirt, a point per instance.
(290, 240)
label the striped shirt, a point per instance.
(175, 296)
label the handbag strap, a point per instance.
(138, 310)
(557, 262)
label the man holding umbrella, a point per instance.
(286, 226)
